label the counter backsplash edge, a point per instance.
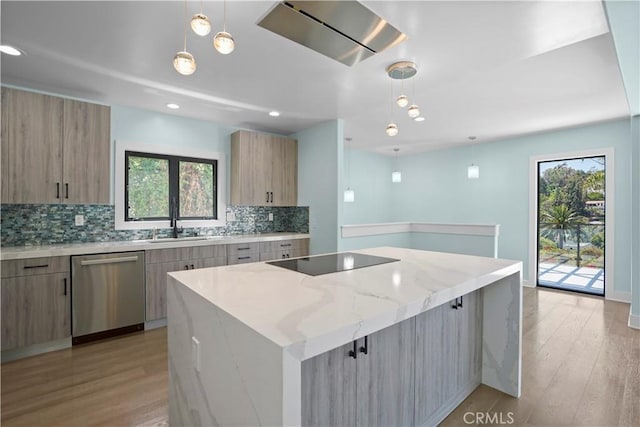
(44, 224)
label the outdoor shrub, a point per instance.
(592, 251)
(598, 240)
(547, 244)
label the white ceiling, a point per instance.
(490, 69)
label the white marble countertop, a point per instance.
(23, 252)
(308, 315)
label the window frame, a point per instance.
(182, 153)
(174, 184)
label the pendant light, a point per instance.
(223, 41)
(349, 194)
(183, 61)
(473, 171)
(396, 175)
(392, 128)
(200, 23)
(413, 110)
(402, 100)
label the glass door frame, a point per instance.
(578, 226)
(532, 267)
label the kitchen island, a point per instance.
(258, 344)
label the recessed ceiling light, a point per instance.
(173, 106)
(10, 50)
(274, 113)
(419, 119)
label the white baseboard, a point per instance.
(634, 320)
(619, 296)
(528, 284)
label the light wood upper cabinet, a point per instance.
(56, 150)
(264, 170)
(32, 147)
(86, 152)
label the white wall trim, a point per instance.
(122, 146)
(634, 320)
(619, 296)
(608, 152)
(359, 230)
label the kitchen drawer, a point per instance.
(243, 258)
(178, 254)
(242, 249)
(294, 245)
(276, 255)
(33, 266)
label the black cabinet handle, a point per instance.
(65, 285)
(244, 249)
(285, 245)
(272, 197)
(460, 303)
(365, 349)
(283, 255)
(455, 304)
(288, 256)
(192, 267)
(244, 257)
(26, 267)
(57, 190)
(66, 190)
(186, 266)
(267, 197)
(353, 353)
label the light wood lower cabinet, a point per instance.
(283, 249)
(159, 262)
(36, 301)
(374, 388)
(448, 357)
(413, 373)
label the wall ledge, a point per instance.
(359, 230)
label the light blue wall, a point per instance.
(320, 151)
(624, 21)
(435, 187)
(635, 215)
(157, 129)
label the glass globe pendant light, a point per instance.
(413, 111)
(200, 24)
(183, 61)
(223, 41)
(392, 129)
(402, 101)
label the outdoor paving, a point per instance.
(563, 276)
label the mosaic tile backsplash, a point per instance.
(50, 224)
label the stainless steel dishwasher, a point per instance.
(107, 295)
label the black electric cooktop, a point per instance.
(332, 263)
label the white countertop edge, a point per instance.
(25, 252)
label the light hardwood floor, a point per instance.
(581, 367)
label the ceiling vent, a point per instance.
(343, 30)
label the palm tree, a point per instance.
(558, 221)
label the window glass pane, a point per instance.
(148, 187)
(196, 190)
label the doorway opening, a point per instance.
(571, 221)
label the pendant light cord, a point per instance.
(185, 25)
(224, 16)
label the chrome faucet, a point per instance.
(174, 218)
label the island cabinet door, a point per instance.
(448, 357)
(329, 389)
(385, 379)
(368, 382)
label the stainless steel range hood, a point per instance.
(343, 30)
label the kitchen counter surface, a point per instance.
(23, 252)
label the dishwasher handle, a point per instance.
(114, 260)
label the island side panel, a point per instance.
(502, 334)
(240, 380)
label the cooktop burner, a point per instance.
(332, 263)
